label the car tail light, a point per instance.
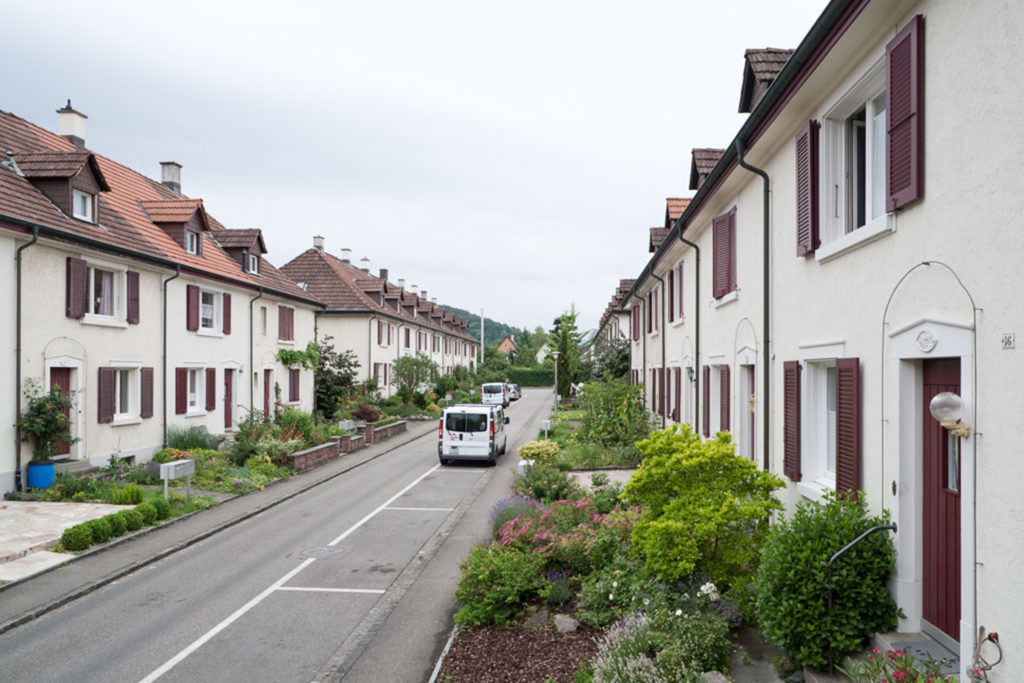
(492, 430)
(440, 428)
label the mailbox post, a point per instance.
(176, 470)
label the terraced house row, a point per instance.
(848, 256)
(129, 294)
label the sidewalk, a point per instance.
(41, 581)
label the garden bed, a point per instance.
(512, 654)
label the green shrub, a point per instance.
(610, 593)
(127, 495)
(606, 497)
(187, 439)
(78, 537)
(494, 583)
(101, 530)
(297, 424)
(165, 455)
(133, 520)
(791, 581)
(705, 510)
(148, 512)
(541, 452)
(163, 508)
(630, 653)
(615, 414)
(85, 487)
(511, 507)
(547, 485)
(117, 525)
(557, 589)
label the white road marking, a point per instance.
(373, 591)
(203, 639)
(422, 509)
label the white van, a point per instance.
(471, 432)
(494, 393)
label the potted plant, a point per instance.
(45, 422)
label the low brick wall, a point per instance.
(349, 442)
(387, 431)
(314, 457)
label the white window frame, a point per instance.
(119, 288)
(836, 233)
(195, 389)
(215, 329)
(679, 314)
(192, 242)
(263, 321)
(254, 264)
(131, 373)
(817, 434)
(90, 205)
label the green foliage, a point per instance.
(494, 582)
(148, 512)
(509, 508)
(606, 496)
(133, 520)
(196, 436)
(163, 508)
(541, 452)
(565, 339)
(705, 510)
(792, 590)
(298, 424)
(532, 377)
(411, 373)
(612, 358)
(76, 538)
(100, 529)
(557, 589)
(547, 485)
(895, 665)
(117, 525)
(127, 495)
(615, 414)
(44, 421)
(610, 593)
(165, 455)
(308, 358)
(334, 377)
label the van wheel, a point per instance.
(443, 461)
(492, 461)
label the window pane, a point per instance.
(952, 461)
(878, 157)
(830, 417)
(123, 389)
(82, 205)
(193, 388)
(455, 422)
(102, 292)
(856, 170)
(476, 422)
(207, 310)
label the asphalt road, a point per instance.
(352, 579)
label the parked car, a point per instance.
(515, 393)
(471, 432)
(494, 393)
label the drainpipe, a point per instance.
(766, 400)
(643, 341)
(252, 360)
(369, 348)
(696, 336)
(17, 357)
(661, 389)
(163, 364)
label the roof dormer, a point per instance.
(71, 180)
(674, 208)
(704, 160)
(759, 71)
(246, 246)
(184, 220)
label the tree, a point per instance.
(565, 339)
(335, 376)
(612, 357)
(412, 372)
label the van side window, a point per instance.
(476, 422)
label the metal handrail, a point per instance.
(839, 553)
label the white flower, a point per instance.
(709, 590)
(615, 584)
(611, 597)
(647, 601)
(679, 612)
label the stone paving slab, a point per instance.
(30, 564)
(29, 526)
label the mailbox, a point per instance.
(175, 470)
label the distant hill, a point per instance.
(494, 330)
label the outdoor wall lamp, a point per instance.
(948, 409)
(691, 374)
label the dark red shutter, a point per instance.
(293, 385)
(132, 282)
(678, 415)
(904, 109)
(732, 250)
(723, 398)
(291, 323)
(707, 401)
(146, 391)
(76, 290)
(671, 295)
(282, 322)
(226, 316)
(180, 391)
(682, 306)
(661, 391)
(847, 425)
(791, 419)
(380, 332)
(106, 395)
(807, 189)
(192, 308)
(720, 247)
(636, 322)
(211, 389)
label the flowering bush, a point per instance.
(494, 583)
(547, 485)
(510, 507)
(615, 414)
(896, 666)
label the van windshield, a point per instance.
(492, 388)
(466, 422)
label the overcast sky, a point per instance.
(505, 156)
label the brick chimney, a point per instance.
(170, 175)
(71, 124)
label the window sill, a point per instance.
(209, 333)
(814, 490)
(286, 342)
(126, 420)
(678, 322)
(879, 227)
(104, 321)
(196, 413)
(727, 298)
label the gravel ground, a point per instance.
(517, 654)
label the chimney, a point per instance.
(434, 301)
(318, 242)
(170, 175)
(364, 264)
(71, 124)
(423, 295)
(413, 288)
(384, 274)
(346, 256)
(401, 283)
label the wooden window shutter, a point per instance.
(132, 284)
(636, 322)
(678, 415)
(226, 316)
(720, 247)
(732, 250)
(723, 398)
(707, 401)
(380, 332)
(791, 419)
(291, 323)
(76, 290)
(106, 395)
(904, 108)
(671, 303)
(847, 425)
(661, 391)
(807, 189)
(282, 323)
(191, 308)
(211, 389)
(146, 391)
(679, 278)
(293, 384)
(180, 391)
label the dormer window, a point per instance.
(191, 242)
(83, 205)
(254, 264)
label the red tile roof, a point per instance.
(675, 207)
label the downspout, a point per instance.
(696, 335)
(643, 343)
(316, 340)
(17, 357)
(766, 400)
(369, 348)
(661, 389)
(252, 360)
(163, 364)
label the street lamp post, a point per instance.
(555, 354)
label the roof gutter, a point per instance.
(18, 485)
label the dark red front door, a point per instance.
(229, 380)
(61, 377)
(941, 512)
(266, 392)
